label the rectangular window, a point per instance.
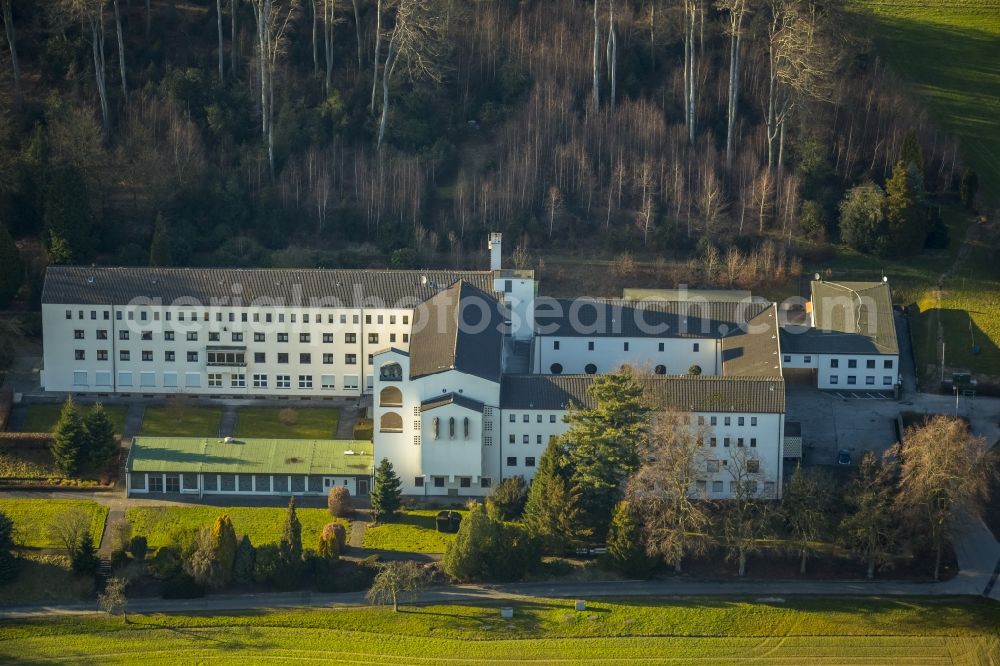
(753, 442)
(590, 346)
(870, 380)
(870, 364)
(328, 338)
(834, 379)
(146, 335)
(327, 359)
(372, 338)
(102, 334)
(696, 347)
(728, 420)
(69, 314)
(524, 439)
(260, 381)
(552, 418)
(887, 364)
(418, 481)
(786, 358)
(79, 355)
(406, 319)
(259, 357)
(714, 420)
(368, 319)
(713, 442)
(852, 379)
(327, 382)
(716, 487)
(168, 336)
(282, 337)
(214, 380)
(102, 354)
(282, 357)
(659, 347)
(123, 335)
(213, 337)
(834, 363)
(78, 334)
(283, 381)
(740, 420)
(304, 337)
(192, 336)
(123, 355)
(529, 461)
(305, 381)
(156, 483)
(852, 363)
(753, 420)
(526, 418)
(147, 355)
(124, 379)
(513, 417)
(237, 337)
(305, 358)
(192, 357)
(79, 378)
(887, 381)
(511, 461)
(350, 338)
(726, 441)
(739, 442)
(625, 346)
(807, 359)
(168, 356)
(259, 337)
(238, 381)
(350, 359)
(438, 481)
(512, 438)
(465, 482)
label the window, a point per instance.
(406, 337)
(282, 337)
(168, 356)
(238, 381)
(696, 347)
(328, 338)
(147, 335)
(485, 482)
(79, 355)
(852, 379)
(372, 338)
(524, 439)
(659, 347)
(465, 482)
(552, 418)
(739, 442)
(713, 441)
(192, 357)
(351, 359)
(712, 466)
(213, 337)
(590, 369)
(870, 364)
(529, 461)
(406, 319)
(350, 338)
(259, 357)
(512, 438)
(371, 359)
(753, 420)
(555, 344)
(834, 379)
(852, 363)
(418, 481)
(237, 337)
(368, 319)
(168, 336)
(214, 380)
(147, 355)
(69, 314)
(327, 382)
(282, 357)
(538, 439)
(511, 461)
(351, 382)
(123, 335)
(556, 368)
(753, 442)
(305, 381)
(726, 441)
(439, 482)
(590, 346)
(740, 421)
(123, 355)
(526, 418)
(887, 381)
(260, 381)
(714, 420)
(870, 380)
(102, 335)
(716, 487)
(78, 334)
(102, 354)
(305, 358)
(327, 359)
(625, 346)
(729, 420)
(380, 319)
(259, 337)
(753, 466)
(834, 363)
(156, 483)
(786, 358)
(192, 336)
(887, 364)
(283, 381)
(392, 337)
(304, 337)
(807, 359)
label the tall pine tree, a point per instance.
(626, 545)
(101, 445)
(290, 546)
(602, 445)
(386, 495)
(68, 439)
(905, 212)
(553, 513)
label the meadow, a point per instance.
(947, 51)
(411, 531)
(33, 518)
(286, 423)
(42, 417)
(262, 524)
(717, 631)
(181, 421)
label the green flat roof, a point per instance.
(330, 457)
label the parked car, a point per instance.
(843, 457)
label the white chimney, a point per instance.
(495, 254)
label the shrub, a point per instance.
(332, 541)
(488, 549)
(138, 548)
(243, 564)
(84, 560)
(267, 563)
(338, 502)
(508, 498)
(181, 586)
(167, 563)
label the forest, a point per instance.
(356, 133)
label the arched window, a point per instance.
(391, 372)
(390, 396)
(451, 427)
(590, 369)
(660, 370)
(436, 427)
(391, 422)
(465, 424)
(556, 368)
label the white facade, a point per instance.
(848, 372)
(599, 354)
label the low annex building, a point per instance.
(281, 467)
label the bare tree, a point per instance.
(945, 471)
(91, 14)
(737, 10)
(273, 20)
(357, 31)
(744, 515)
(8, 22)
(805, 508)
(121, 51)
(869, 529)
(415, 43)
(222, 59)
(233, 11)
(113, 600)
(553, 202)
(691, 8)
(329, 20)
(612, 53)
(597, 60)
(665, 488)
(395, 582)
(378, 51)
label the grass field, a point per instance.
(181, 421)
(412, 531)
(42, 417)
(948, 51)
(43, 578)
(287, 423)
(262, 524)
(715, 631)
(32, 518)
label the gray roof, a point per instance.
(753, 350)
(277, 286)
(460, 328)
(613, 317)
(451, 399)
(849, 318)
(702, 393)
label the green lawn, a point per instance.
(412, 531)
(181, 421)
(42, 417)
(262, 524)
(43, 578)
(948, 51)
(287, 423)
(712, 631)
(32, 518)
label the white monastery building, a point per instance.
(470, 373)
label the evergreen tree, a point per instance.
(8, 563)
(243, 562)
(385, 497)
(626, 550)
(553, 512)
(224, 537)
(290, 545)
(862, 219)
(601, 445)
(159, 249)
(12, 275)
(488, 549)
(68, 439)
(969, 187)
(911, 153)
(67, 212)
(84, 560)
(905, 215)
(60, 253)
(101, 446)
(506, 502)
